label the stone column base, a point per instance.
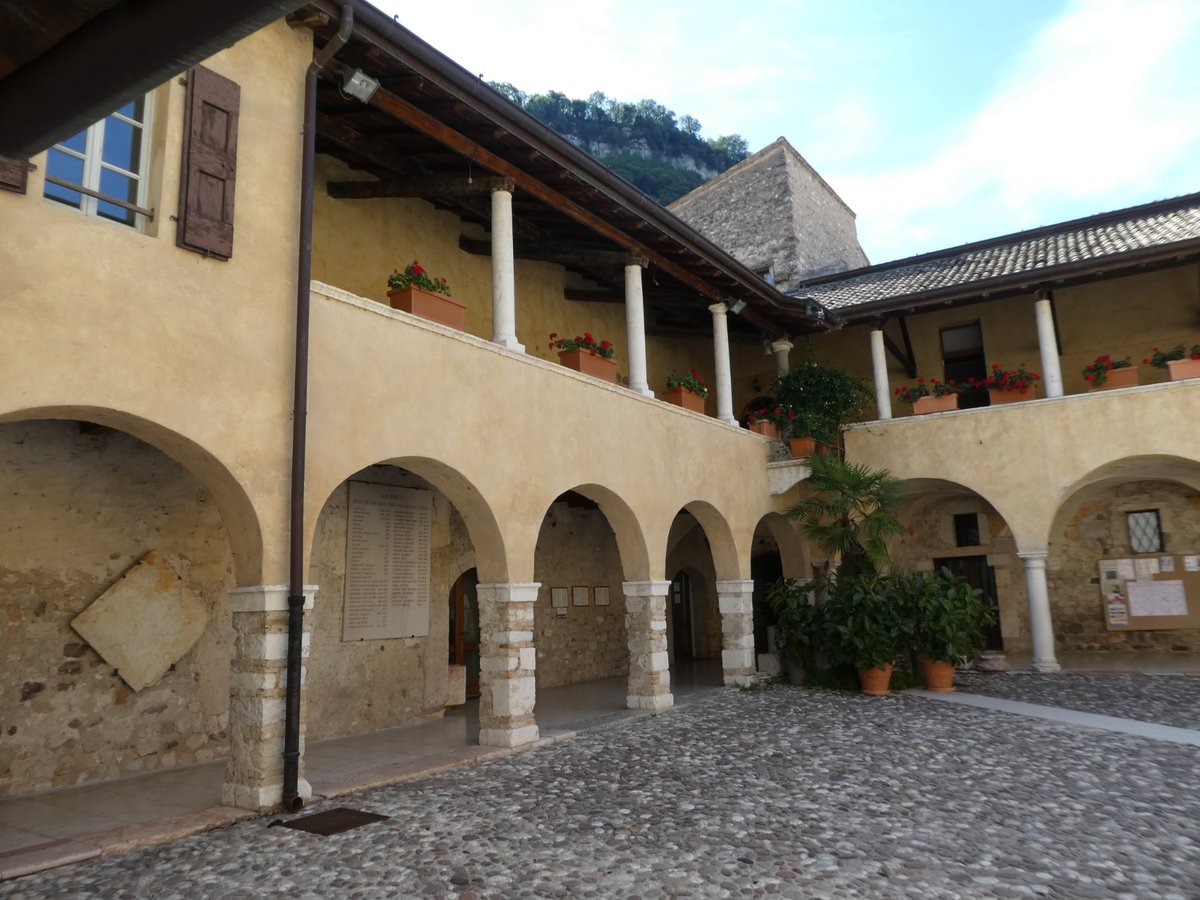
(507, 664)
(735, 600)
(646, 632)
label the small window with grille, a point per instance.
(966, 530)
(1145, 531)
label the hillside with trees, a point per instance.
(644, 142)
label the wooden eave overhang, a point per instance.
(65, 64)
(436, 131)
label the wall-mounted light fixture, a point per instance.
(358, 84)
(737, 306)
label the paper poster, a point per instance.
(1191, 563)
(558, 597)
(1157, 598)
(600, 593)
(1145, 569)
(1117, 612)
(580, 596)
(1166, 564)
(1125, 570)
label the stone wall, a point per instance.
(83, 504)
(361, 686)
(576, 547)
(929, 534)
(774, 210)
(1094, 528)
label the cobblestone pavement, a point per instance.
(781, 792)
(1162, 699)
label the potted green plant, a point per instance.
(871, 627)
(769, 421)
(948, 619)
(1105, 373)
(800, 625)
(585, 354)
(415, 291)
(929, 395)
(1179, 362)
(1008, 385)
(687, 390)
(821, 399)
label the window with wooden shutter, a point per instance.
(13, 173)
(209, 164)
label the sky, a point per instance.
(939, 122)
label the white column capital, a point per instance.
(1034, 559)
(509, 591)
(718, 309)
(652, 588)
(263, 598)
(783, 345)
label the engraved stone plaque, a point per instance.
(387, 563)
(144, 623)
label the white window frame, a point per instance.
(94, 166)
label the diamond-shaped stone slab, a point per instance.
(144, 623)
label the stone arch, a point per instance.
(720, 538)
(238, 513)
(791, 548)
(491, 559)
(627, 529)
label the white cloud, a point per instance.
(1102, 103)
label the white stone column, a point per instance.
(646, 632)
(883, 389)
(1048, 343)
(257, 690)
(504, 279)
(782, 348)
(721, 359)
(735, 599)
(1041, 627)
(635, 330)
(507, 664)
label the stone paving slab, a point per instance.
(1163, 699)
(780, 792)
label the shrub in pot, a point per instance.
(948, 618)
(870, 625)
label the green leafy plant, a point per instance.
(800, 627)
(850, 513)
(414, 275)
(820, 398)
(585, 341)
(868, 620)
(1019, 379)
(1096, 372)
(1160, 358)
(948, 615)
(693, 383)
(926, 387)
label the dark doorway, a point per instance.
(978, 574)
(464, 628)
(963, 359)
(681, 615)
(765, 570)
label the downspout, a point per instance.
(295, 642)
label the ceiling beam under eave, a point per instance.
(613, 260)
(427, 187)
(116, 56)
(422, 121)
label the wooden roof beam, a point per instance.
(426, 187)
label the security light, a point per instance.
(737, 307)
(359, 85)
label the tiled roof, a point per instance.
(1106, 241)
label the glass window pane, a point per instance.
(1145, 535)
(123, 188)
(122, 144)
(961, 340)
(77, 142)
(63, 195)
(134, 109)
(68, 168)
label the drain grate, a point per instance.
(334, 821)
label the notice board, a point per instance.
(1147, 593)
(387, 563)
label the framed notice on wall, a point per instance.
(580, 596)
(1149, 593)
(387, 562)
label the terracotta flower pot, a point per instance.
(686, 399)
(583, 361)
(999, 398)
(428, 305)
(925, 405)
(766, 429)
(875, 681)
(1126, 376)
(938, 674)
(1181, 369)
(802, 447)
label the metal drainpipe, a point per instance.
(295, 644)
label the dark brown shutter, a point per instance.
(209, 164)
(13, 173)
